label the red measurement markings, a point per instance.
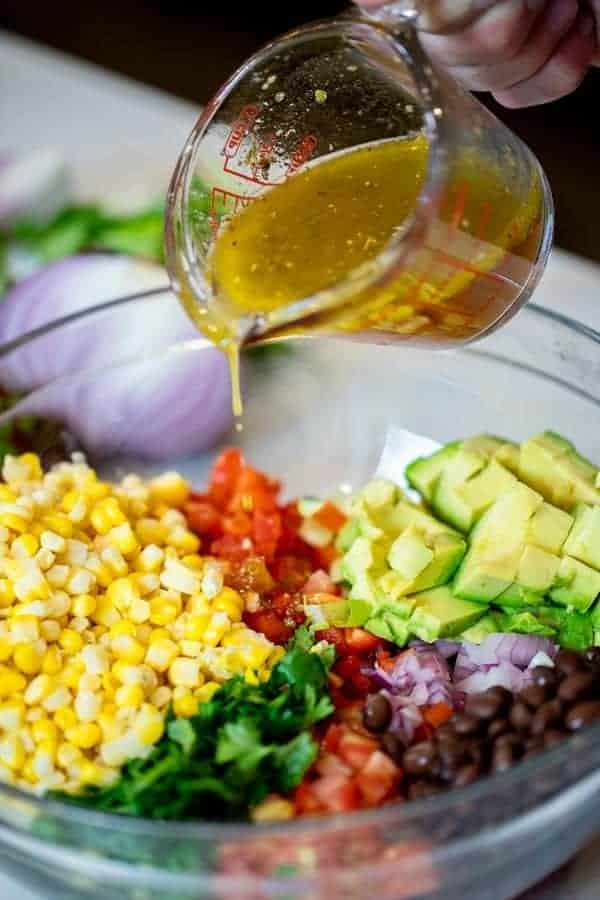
(239, 130)
(224, 204)
(302, 154)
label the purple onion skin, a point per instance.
(120, 380)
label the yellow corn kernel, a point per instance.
(139, 611)
(14, 522)
(150, 560)
(70, 500)
(206, 691)
(11, 683)
(110, 684)
(105, 613)
(277, 653)
(6, 649)
(27, 659)
(273, 809)
(12, 753)
(198, 604)
(91, 773)
(250, 677)
(72, 672)
(67, 755)
(122, 536)
(28, 773)
(24, 547)
(218, 626)
(147, 582)
(195, 626)
(123, 626)
(6, 495)
(164, 610)
(84, 736)
(65, 719)
(159, 508)
(151, 531)
(161, 696)
(71, 641)
(193, 561)
(59, 523)
(122, 593)
(31, 586)
(37, 690)
(49, 746)
(129, 695)
(106, 514)
(7, 593)
(12, 714)
(183, 540)
(83, 605)
(52, 661)
(99, 569)
(230, 602)
(115, 561)
(158, 634)
(128, 648)
(161, 653)
(170, 488)
(44, 730)
(186, 705)
(185, 672)
(149, 725)
(31, 461)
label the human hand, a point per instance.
(526, 52)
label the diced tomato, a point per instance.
(266, 526)
(385, 659)
(268, 623)
(319, 583)
(230, 547)
(203, 518)
(337, 793)
(305, 799)
(334, 636)
(423, 732)
(355, 749)
(348, 666)
(330, 517)
(437, 714)
(290, 573)
(323, 556)
(331, 764)
(332, 737)
(361, 685)
(360, 641)
(377, 778)
(224, 475)
(238, 523)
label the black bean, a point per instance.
(533, 744)
(377, 712)
(477, 753)
(553, 737)
(451, 757)
(467, 775)
(534, 695)
(567, 662)
(545, 677)
(421, 759)
(578, 686)
(548, 714)
(502, 758)
(393, 746)
(498, 727)
(582, 714)
(488, 704)
(418, 790)
(465, 725)
(520, 716)
(446, 731)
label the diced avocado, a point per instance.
(364, 587)
(389, 627)
(480, 630)
(358, 612)
(448, 552)
(578, 585)
(583, 542)
(438, 613)
(488, 445)
(364, 556)
(391, 587)
(409, 554)
(550, 464)
(379, 493)
(484, 580)
(308, 506)
(549, 528)
(575, 631)
(335, 571)
(517, 597)
(315, 534)
(537, 569)
(462, 503)
(335, 612)
(524, 622)
(404, 514)
(347, 535)
(508, 455)
(424, 471)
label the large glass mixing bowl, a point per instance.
(317, 416)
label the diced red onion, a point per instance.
(501, 660)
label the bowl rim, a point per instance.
(394, 813)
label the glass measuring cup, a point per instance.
(457, 261)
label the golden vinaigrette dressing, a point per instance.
(309, 233)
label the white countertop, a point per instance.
(121, 141)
